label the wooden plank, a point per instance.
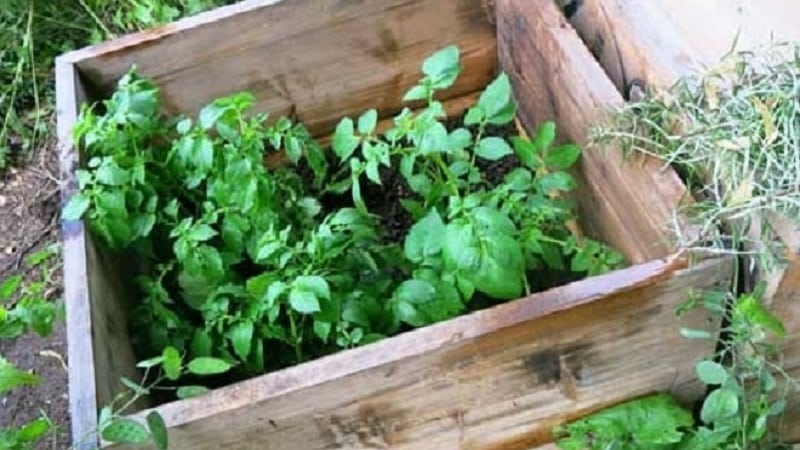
(316, 60)
(95, 292)
(82, 401)
(659, 41)
(631, 205)
(499, 378)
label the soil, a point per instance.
(29, 204)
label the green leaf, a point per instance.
(183, 126)
(293, 149)
(490, 220)
(315, 284)
(434, 139)
(111, 174)
(418, 92)
(562, 157)
(496, 97)
(459, 139)
(545, 136)
(345, 141)
(475, 115)
(9, 286)
(201, 232)
(171, 363)
(442, 67)
(415, 292)
(367, 122)
(556, 181)
(11, 377)
(158, 430)
(33, 431)
(208, 366)
(150, 362)
(689, 333)
(424, 239)
(407, 313)
(526, 152)
(241, 336)
(372, 172)
(501, 270)
(493, 148)
(711, 373)
(720, 404)
(124, 430)
(191, 391)
(322, 329)
(303, 301)
(750, 309)
(76, 206)
(210, 114)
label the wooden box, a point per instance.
(655, 43)
(499, 378)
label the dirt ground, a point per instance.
(29, 205)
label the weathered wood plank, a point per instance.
(631, 205)
(316, 60)
(659, 41)
(99, 350)
(496, 379)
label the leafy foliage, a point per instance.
(250, 266)
(744, 393)
(31, 309)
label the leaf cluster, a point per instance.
(747, 392)
(246, 263)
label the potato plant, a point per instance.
(257, 265)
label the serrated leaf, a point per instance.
(191, 391)
(208, 366)
(124, 430)
(75, 207)
(241, 336)
(345, 141)
(158, 430)
(367, 122)
(711, 373)
(493, 148)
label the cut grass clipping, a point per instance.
(734, 134)
(266, 267)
